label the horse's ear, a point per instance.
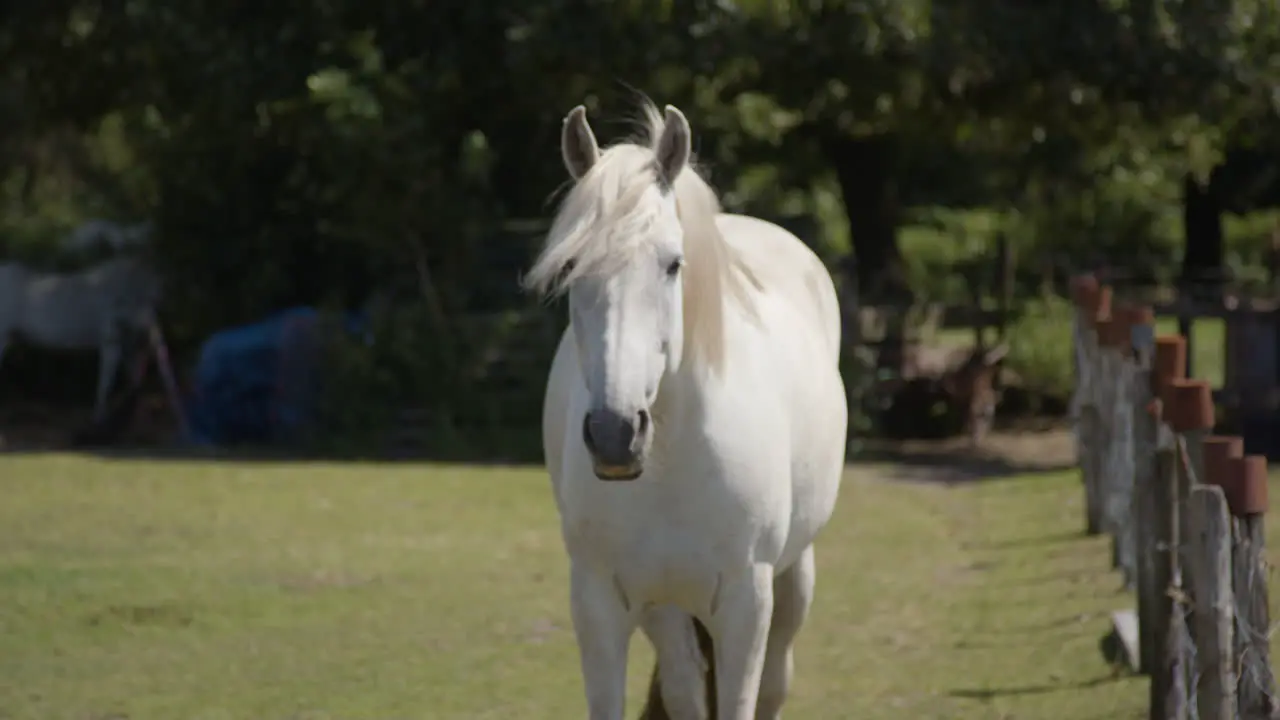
(675, 146)
(578, 146)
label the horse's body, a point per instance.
(108, 234)
(739, 467)
(79, 310)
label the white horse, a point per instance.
(694, 424)
(96, 233)
(80, 310)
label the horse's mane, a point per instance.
(602, 220)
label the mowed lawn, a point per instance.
(218, 590)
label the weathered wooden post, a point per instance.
(1145, 425)
(1083, 288)
(1161, 543)
(1245, 487)
(1117, 341)
(1120, 460)
(1093, 301)
(1109, 364)
(1209, 544)
(1195, 418)
(1191, 417)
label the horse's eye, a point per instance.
(674, 268)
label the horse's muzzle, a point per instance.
(610, 473)
(616, 443)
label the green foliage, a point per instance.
(318, 152)
(436, 385)
(939, 244)
(369, 379)
(1041, 347)
(1120, 203)
(1249, 242)
(858, 371)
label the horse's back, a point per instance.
(783, 263)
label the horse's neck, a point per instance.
(680, 396)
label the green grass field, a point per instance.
(169, 591)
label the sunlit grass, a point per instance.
(170, 591)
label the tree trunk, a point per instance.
(865, 169)
(1202, 259)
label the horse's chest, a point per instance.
(660, 548)
(656, 564)
(61, 319)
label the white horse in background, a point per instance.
(694, 425)
(107, 233)
(86, 309)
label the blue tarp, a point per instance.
(253, 383)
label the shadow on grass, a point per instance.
(989, 694)
(1048, 580)
(945, 468)
(269, 455)
(1042, 627)
(947, 461)
(948, 464)
(940, 467)
(1035, 541)
(39, 430)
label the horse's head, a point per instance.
(617, 248)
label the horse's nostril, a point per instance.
(642, 422)
(586, 433)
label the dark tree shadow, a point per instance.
(989, 694)
(949, 464)
(1032, 542)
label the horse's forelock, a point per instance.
(597, 225)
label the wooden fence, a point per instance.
(1185, 510)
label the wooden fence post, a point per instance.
(1109, 364)
(1145, 426)
(1093, 302)
(1191, 415)
(1193, 419)
(1210, 568)
(1121, 460)
(1246, 491)
(1162, 541)
(1163, 504)
(1216, 606)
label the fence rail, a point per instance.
(1185, 510)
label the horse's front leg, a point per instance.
(603, 623)
(109, 353)
(739, 628)
(678, 688)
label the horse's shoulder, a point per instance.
(766, 243)
(774, 254)
(786, 266)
